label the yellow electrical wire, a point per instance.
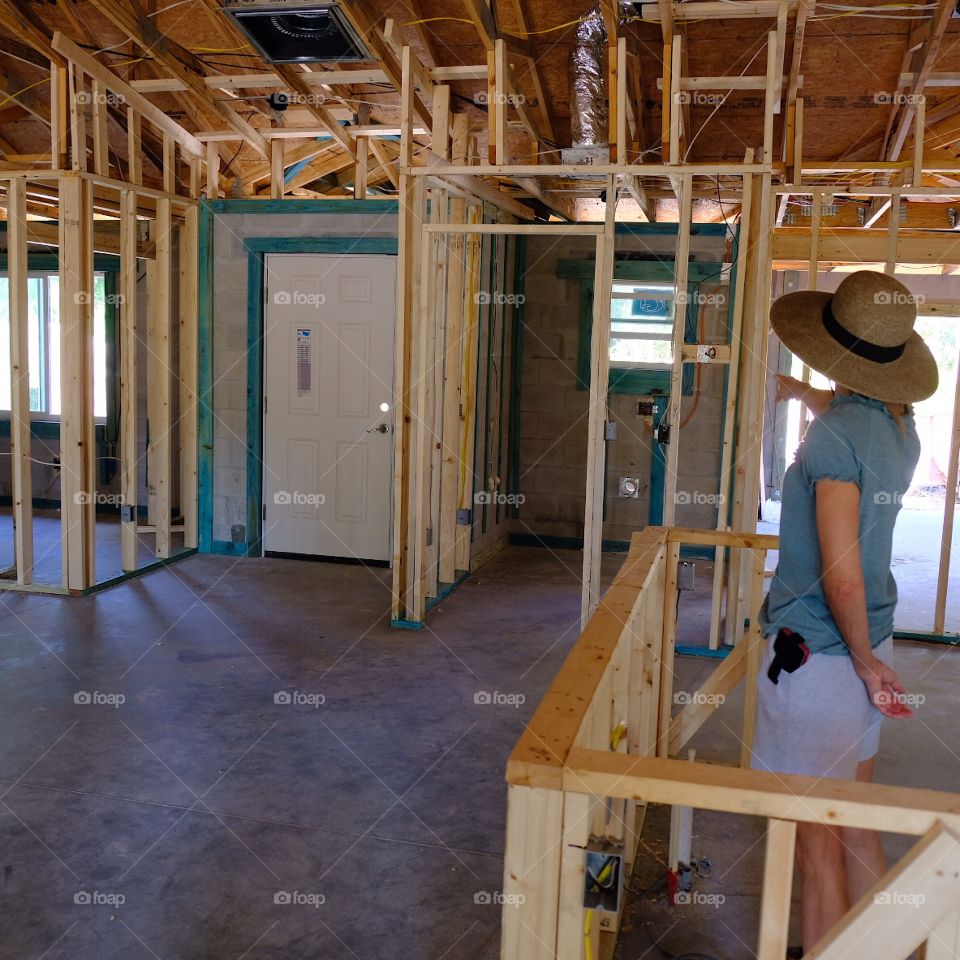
(13, 96)
(586, 935)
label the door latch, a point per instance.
(380, 428)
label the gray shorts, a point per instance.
(817, 721)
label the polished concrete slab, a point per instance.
(239, 758)
(251, 732)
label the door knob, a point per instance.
(380, 428)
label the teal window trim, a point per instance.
(631, 381)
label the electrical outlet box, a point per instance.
(630, 487)
(603, 876)
(685, 575)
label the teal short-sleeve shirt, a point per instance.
(856, 440)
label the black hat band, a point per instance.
(853, 343)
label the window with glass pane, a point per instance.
(43, 307)
(641, 326)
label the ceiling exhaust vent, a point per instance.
(297, 31)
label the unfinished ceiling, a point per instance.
(854, 68)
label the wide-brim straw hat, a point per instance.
(861, 336)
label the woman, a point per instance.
(826, 679)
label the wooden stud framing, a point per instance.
(409, 235)
(681, 272)
(20, 449)
(188, 371)
(134, 156)
(468, 399)
(159, 366)
(949, 509)
(59, 117)
(128, 379)
(777, 887)
(213, 172)
(362, 169)
(276, 170)
(77, 450)
(729, 414)
(599, 386)
(98, 109)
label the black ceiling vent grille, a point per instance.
(296, 31)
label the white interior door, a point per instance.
(328, 404)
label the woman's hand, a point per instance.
(788, 388)
(884, 687)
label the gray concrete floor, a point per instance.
(47, 553)
(200, 798)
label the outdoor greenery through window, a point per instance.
(641, 330)
(43, 301)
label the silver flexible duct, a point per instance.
(588, 80)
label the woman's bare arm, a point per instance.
(838, 527)
(790, 388)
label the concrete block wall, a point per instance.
(553, 421)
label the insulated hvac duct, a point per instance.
(588, 79)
